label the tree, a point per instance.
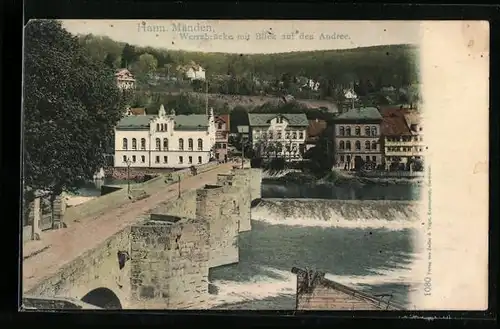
(71, 104)
(128, 55)
(147, 64)
(110, 60)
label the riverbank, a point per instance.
(334, 178)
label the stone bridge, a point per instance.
(154, 252)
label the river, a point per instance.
(357, 243)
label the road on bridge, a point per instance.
(42, 259)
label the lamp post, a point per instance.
(242, 152)
(179, 187)
(128, 175)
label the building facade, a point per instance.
(222, 130)
(357, 139)
(124, 79)
(278, 135)
(402, 133)
(164, 141)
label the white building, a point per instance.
(195, 72)
(192, 71)
(164, 141)
(124, 79)
(278, 135)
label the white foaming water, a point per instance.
(261, 287)
(305, 213)
(390, 215)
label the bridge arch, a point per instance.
(103, 298)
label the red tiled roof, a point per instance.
(225, 118)
(315, 128)
(394, 122)
(138, 110)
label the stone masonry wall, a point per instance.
(219, 205)
(185, 206)
(169, 262)
(241, 178)
(96, 268)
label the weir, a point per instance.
(376, 212)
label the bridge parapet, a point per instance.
(54, 303)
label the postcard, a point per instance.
(255, 165)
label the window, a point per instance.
(367, 145)
(374, 158)
(165, 144)
(165, 159)
(190, 160)
(124, 158)
(287, 135)
(190, 144)
(341, 158)
(348, 145)
(157, 127)
(224, 145)
(181, 159)
(278, 135)
(301, 134)
(367, 131)
(143, 143)
(134, 144)
(270, 134)
(348, 131)
(374, 131)
(200, 144)
(279, 120)
(357, 145)
(158, 144)
(341, 131)
(348, 158)
(374, 145)
(341, 145)
(199, 159)
(124, 144)
(157, 159)
(367, 158)
(181, 144)
(219, 126)
(357, 130)
(294, 135)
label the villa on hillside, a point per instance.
(278, 135)
(357, 138)
(192, 71)
(124, 79)
(164, 141)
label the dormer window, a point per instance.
(279, 120)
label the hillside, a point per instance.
(394, 65)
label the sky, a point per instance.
(251, 36)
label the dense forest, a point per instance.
(366, 69)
